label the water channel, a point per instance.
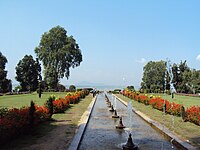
(101, 133)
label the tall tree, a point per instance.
(182, 76)
(153, 76)
(195, 83)
(58, 52)
(5, 84)
(28, 73)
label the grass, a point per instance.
(21, 100)
(75, 112)
(186, 101)
(185, 130)
(67, 121)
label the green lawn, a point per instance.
(20, 100)
(186, 101)
(185, 130)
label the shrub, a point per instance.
(3, 112)
(49, 105)
(41, 114)
(193, 114)
(60, 105)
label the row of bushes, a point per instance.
(191, 114)
(14, 122)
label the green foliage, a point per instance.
(72, 88)
(153, 76)
(49, 105)
(18, 88)
(61, 88)
(116, 91)
(131, 88)
(3, 62)
(3, 112)
(5, 84)
(28, 73)
(58, 52)
(79, 90)
(185, 80)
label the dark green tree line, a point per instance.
(185, 79)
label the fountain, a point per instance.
(109, 104)
(172, 90)
(111, 109)
(129, 144)
(115, 114)
(106, 97)
(120, 125)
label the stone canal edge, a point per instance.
(167, 133)
(82, 126)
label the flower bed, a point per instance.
(14, 122)
(191, 114)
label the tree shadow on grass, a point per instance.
(41, 131)
(29, 138)
(195, 141)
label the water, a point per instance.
(101, 133)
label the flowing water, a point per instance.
(101, 134)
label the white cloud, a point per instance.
(142, 61)
(198, 57)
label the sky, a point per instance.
(117, 38)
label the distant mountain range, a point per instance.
(87, 84)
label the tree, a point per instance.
(185, 80)
(153, 76)
(58, 52)
(72, 88)
(28, 73)
(194, 82)
(131, 87)
(5, 84)
(182, 76)
(61, 88)
(3, 62)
